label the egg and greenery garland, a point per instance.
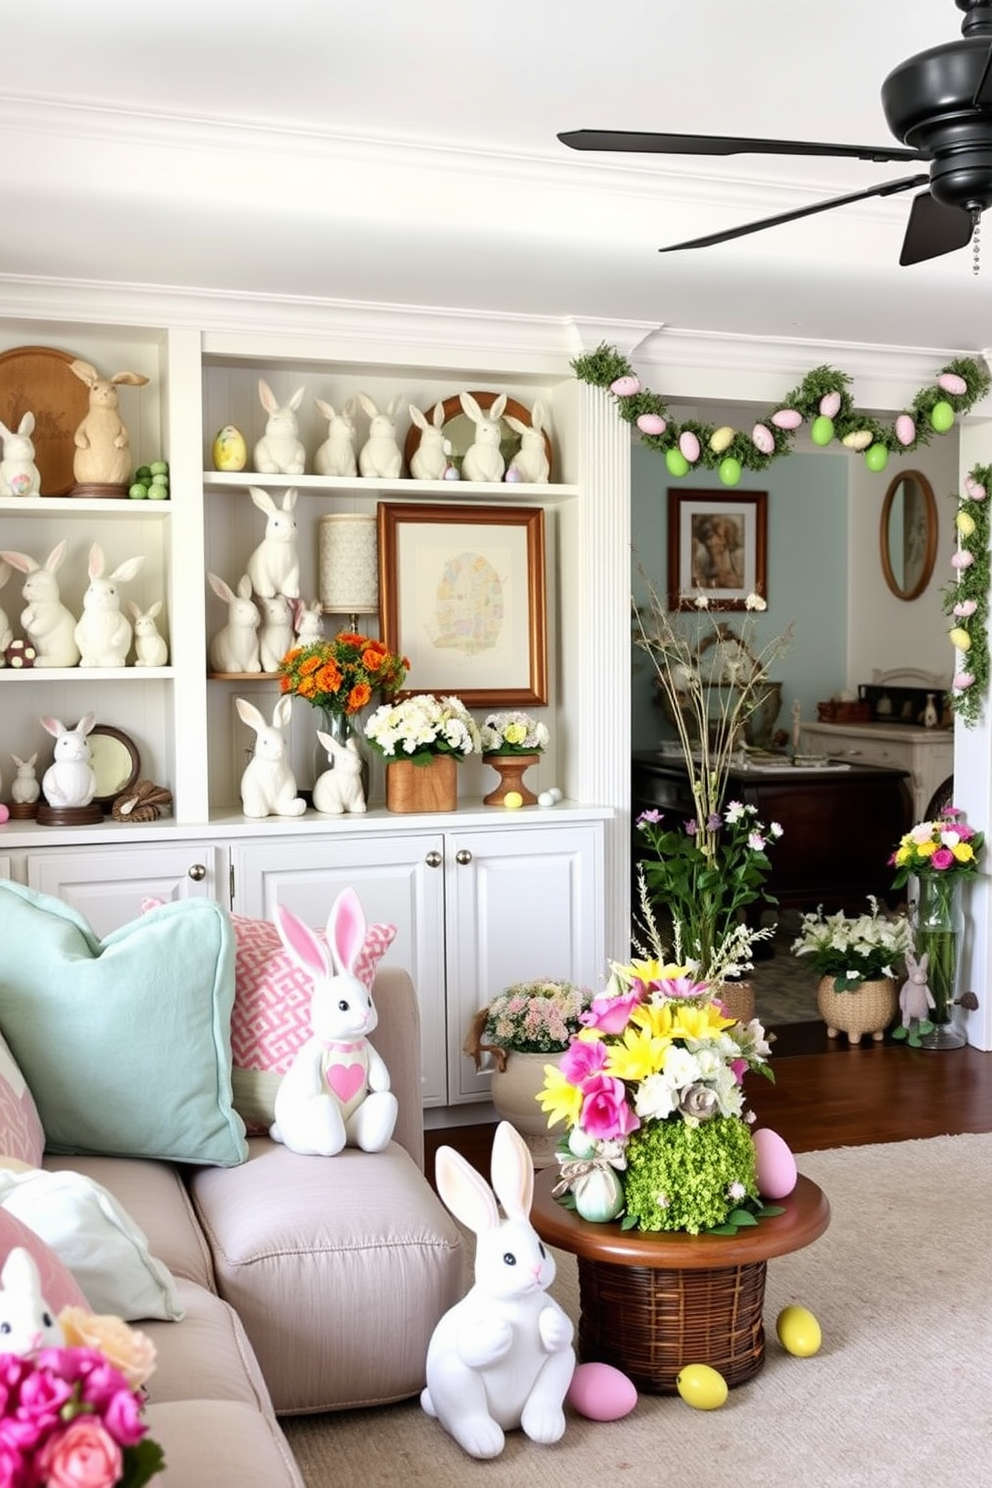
(966, 597)
(822, 400)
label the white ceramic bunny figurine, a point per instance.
(276, 635)
(103, 445)
(235, 646)
(483, 459)
(27, 1323)
(336, 1092)
(103, 632)
(274, 566)
(530, 463)
(339, 789)
(336, 456)
(309, 621)
(381, 455)
(46, 622)
(25, 789)
(502, 1357)
(280, 450)
(6, 629)
(268, 785)
(429, 460)
(150, 649)
(69, 780)
(19, 475)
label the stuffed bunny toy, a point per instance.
(48, 625)
(502, 1357)
(6, 629)
(25, 789)
(19, 475)
(336, 456)
(308, 621)
(103, 632)
(483, 459)
(915, 997)
(380, 455)
(280, 450)
(339, 789)
(268, 785)
(274, 566)
(235, 646)
(336, 1092)
(69, 780)
(530, 463)
(27, 1323)
(429, 460)
(276, 635)
(150, 650)
(103, 445)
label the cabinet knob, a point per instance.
(463, 857)
(198, 873)
(433, 860)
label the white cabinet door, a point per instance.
(399, 880)
(519, 905)
(107, 884)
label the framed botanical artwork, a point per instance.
(462, 595)
(717, 546)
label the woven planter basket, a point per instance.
(868, 1010)
(738, 999)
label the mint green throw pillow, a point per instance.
(125, 1043)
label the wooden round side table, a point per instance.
(651, 1303)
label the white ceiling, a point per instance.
(406, 153)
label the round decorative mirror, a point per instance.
(908, 536)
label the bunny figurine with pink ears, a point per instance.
(502, 1357)
(336, 1092)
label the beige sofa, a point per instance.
(309, 1284)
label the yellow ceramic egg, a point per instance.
(721, 439)
(513, 800)
(229, 449)
(798, 1331)
(701, 1387)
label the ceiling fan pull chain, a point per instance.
(976, 241)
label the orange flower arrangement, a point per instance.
(342, 675)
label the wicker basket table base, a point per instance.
(649, 1304)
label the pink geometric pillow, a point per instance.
(21, 1132)
(271, 1017)
(58, 1285)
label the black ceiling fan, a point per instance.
(938, 103)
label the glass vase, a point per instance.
(938, 935)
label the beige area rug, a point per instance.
(899, 1393)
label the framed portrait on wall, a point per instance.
(717, 546)
(462, 595)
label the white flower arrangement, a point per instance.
(513, 733)
(422, 726)
(854, 950)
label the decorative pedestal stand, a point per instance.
(510, 769)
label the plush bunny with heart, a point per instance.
(336, 1092)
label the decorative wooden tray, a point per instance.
(37, 379)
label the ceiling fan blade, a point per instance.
(934, 229)
(889, 188)
(983, 93)
(637, 142)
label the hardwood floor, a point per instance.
(831, 1094)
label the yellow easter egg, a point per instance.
(229, 449)
(959, 638)
(798, 1331)
(721, 439)
(965, 523)
(701, 1387)
(513, 800)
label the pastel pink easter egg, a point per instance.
(625, 387)
(787, 418)
(950, 382)
(963, 680)
(961, 560)
(763, 439)
(905, 429)
(830, 405)
(512, 475)
(974, 488)
(4, 813)
(689, 445)
(651, 423)
(774, 1164)
(966, 607)
(600, 1392)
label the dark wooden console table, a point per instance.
(839, 826)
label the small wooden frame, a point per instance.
(717, 547)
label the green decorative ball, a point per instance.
(942, 417)
(677, 463)
(876, 457)
(730, 471)
(823, 430)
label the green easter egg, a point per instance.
(676, 461)
(942, 416)
(159, 467)
(823, 429)
(876, 457)
(138, 491)
(730, 471)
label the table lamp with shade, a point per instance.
(348, 565)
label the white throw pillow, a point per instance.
(96, 1239)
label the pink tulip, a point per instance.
(605, 1112)
(611, 1014)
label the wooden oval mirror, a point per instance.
(908, 536)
